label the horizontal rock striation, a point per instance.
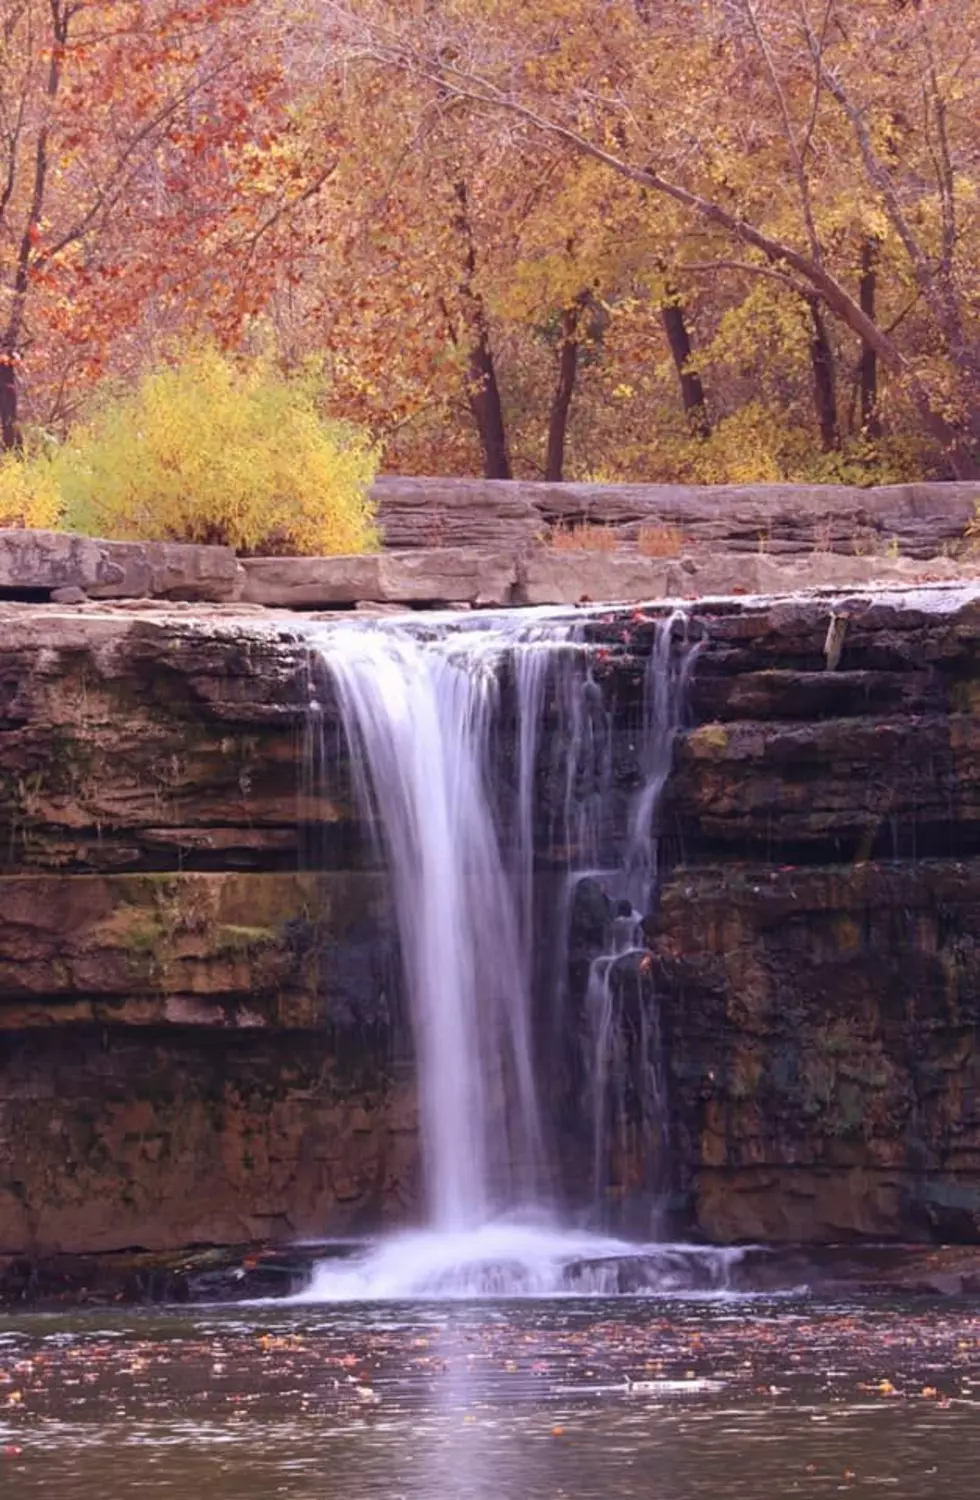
(818, 946)
(202, 1037)
(824, 1042)
(919, 519)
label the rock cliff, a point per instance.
(201, 1035)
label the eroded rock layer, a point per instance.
(201, 1033)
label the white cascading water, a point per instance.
(418, 716)
(419, 704)
(621, 1069)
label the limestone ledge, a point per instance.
(458, 543)
(920, 520)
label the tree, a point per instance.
(783, 119)
(103, 109)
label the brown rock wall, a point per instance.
(201, 1035)
(825, 1044)
(112, 1138)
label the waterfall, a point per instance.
(628, 1093)
(418, 714)
(421, 703)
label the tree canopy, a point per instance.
(642, 239)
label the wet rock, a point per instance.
(821, 1031)
(201, 1042)
(590, 914)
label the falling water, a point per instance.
(628, 1086)
(421, 709)
(418, 715)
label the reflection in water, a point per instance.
(559, 1400)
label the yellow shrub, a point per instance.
(215, 450)
(29, 493)
(758, 444)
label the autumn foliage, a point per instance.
(214, 450)
(30, 494)
(704, 240)
(208, 450)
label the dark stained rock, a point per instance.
(823, 1027)
(116, 1138)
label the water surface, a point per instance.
(566, 1399)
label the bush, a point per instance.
(217, 450)
(29, 493)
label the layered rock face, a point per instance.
(819, 943)
(197, 1036)
(777, 519)
(202, 1034)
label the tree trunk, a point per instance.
(483, 391)
(554, 467)
(692, 391)
(10, 435)
(824, 380)
(484, 399)
(868, 369)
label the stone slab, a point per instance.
(428, 513)
(550, 576)
(923, 518)
(443, 575)
(46, 562)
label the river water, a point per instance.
(548, 1399)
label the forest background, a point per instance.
(643, 240)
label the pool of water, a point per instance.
(566, 1399)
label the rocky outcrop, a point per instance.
(824, 1038)
(920, 520)
(455, 513)
(817, 944)
(468, 542)
(469, 577)
(424, 578)
(202, 1036)
(547, 575)
(198, 1043)
(45, 564)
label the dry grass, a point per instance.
(660, 541)
(583, 537)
